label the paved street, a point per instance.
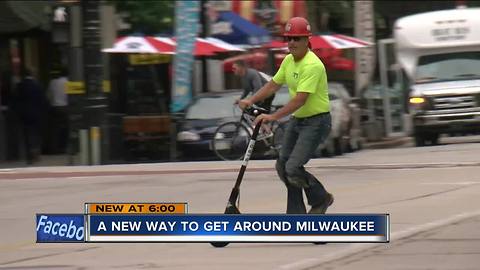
(431, 194)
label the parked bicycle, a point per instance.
(231, 138)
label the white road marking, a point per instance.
(357, 248)
(451, 183)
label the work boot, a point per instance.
(322, 207)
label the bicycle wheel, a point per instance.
(230, 141)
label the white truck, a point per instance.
(439, 52)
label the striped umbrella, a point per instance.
(166, 45)
(334, 41)
(133, 44)
(206, 46)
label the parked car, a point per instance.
(345, 134)
(201, 119)
(340, 113)
(342, 137)
(208, 111)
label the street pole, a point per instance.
(364, 57)
(95, 109)
(203, 34)
(78, 135)
(3, 147)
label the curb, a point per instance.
(388, 143)
(62, 160)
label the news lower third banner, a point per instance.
(63, 228)
(212, 228)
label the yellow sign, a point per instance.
(77, 87)
(147, 59)
(136, 208)
(95, 133)
(107, 88)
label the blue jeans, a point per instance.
(301, 139)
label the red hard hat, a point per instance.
(297, 27)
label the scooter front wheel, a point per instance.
(219, 244)
(229, 210)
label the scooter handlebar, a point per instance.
(255, 110)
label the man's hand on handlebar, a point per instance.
(252, 109)
(265, 118)
(244, 103)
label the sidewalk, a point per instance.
(63, 160)
(45, 160)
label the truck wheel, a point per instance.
(329, 150)
(339, 146)
(434, 139)
(419, 140)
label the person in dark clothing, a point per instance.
(252, 80)
(30, 104)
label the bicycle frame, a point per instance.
(266, 130)
(228, 150)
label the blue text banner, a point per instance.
(238, 228)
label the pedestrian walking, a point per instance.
(58, 98)
(30, 104)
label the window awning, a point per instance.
(234, 29)
(20, 16)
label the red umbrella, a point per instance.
(257, 60)
(341, 63)
(334, 41)
(132, 44)
(207, 46)
(163, 45)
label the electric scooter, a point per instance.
(232, 207)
